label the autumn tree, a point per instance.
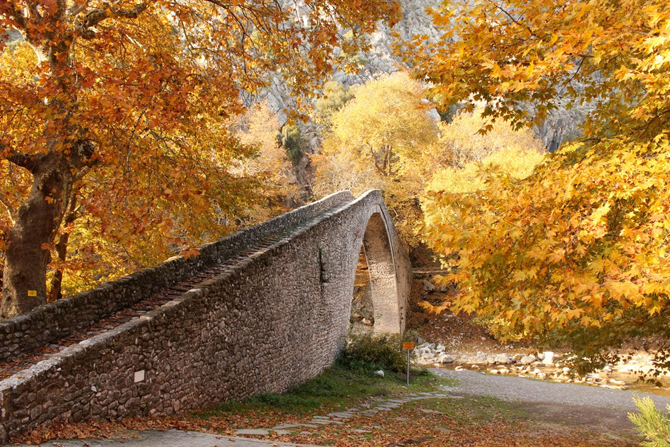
(334, 96)
(123, 104)
(375, 140)
(577, 252)
(455, 162)
(270, 164)
(463, 142)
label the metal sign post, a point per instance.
(408, 346)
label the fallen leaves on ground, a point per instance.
(462, 422)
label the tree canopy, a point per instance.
(117, 113)
(376, 141)
(577, 252)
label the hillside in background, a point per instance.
(562, 125)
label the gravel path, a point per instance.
(563, 403)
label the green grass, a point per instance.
(336, 388)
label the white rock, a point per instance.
(445, 358)
(380, 373)
(480, 358)
(548, 358)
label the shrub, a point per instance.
(651, 423)
(368, 353)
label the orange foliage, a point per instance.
(126, 106)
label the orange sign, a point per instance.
(408, 345)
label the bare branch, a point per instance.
(511, 17)
(76, 8)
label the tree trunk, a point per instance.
(56, 289)
(28, 252)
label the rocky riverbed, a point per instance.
(544, 365)
(454, 341)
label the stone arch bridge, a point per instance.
(255, 312)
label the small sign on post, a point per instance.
(408, 346)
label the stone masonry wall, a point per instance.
(50, 322)
(276, 318)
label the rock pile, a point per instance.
(547, 365)
(432, 354)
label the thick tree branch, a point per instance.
(98, 15)
(26, 161)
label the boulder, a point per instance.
(527, 359)
(428, 286)
(502, 359)
(445, 358)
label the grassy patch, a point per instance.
(335, 389)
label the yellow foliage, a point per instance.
(270, 165)
(612, 54)
(593, 220)
(595, 259)
(385, 125)
(376, 141)
(465, 140)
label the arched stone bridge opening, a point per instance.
(256, 312)
(383, 298)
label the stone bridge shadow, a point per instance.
(255, 312)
